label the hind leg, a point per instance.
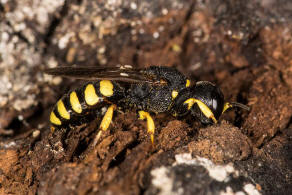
(105, 123)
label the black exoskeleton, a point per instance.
(151, 90)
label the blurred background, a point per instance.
(245, 47)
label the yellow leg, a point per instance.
(203, 107)
(150, 123)
(226, 106)
(105, 123)
(53, 129)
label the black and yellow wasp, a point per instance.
(149, 91)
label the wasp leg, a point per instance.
(203, 107)
(52, 129)
(150, 123)
(227, 105)
(106, 121)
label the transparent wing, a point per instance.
(119, 73)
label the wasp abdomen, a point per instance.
(88, 97)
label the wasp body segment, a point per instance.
(149, 91)
(78, 102)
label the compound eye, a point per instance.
(214, 104)
(216, 100)
(217, 106)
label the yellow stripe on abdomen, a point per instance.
(62, 110)
(90, 95)
(74, 101)
(106, 88)
(54, 119)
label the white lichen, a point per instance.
(162, 180)
(217, 172)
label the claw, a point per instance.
(152, 139)
(97, 138)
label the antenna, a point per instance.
(228, 105)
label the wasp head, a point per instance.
(206, 102)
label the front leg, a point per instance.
(150, 123)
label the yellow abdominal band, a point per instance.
(74, 101)
(54, 119)
(62, 110)
(90, 96)
(106, 88)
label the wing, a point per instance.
(119, 73)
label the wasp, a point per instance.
(149, 91)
